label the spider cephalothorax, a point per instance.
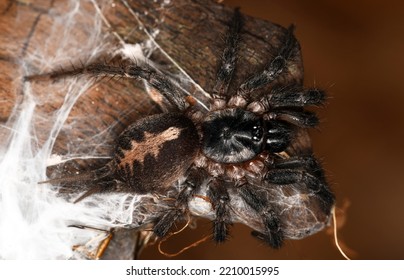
(232, 135)
(237, 149)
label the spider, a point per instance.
(238, 147)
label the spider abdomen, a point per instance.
(154, 152)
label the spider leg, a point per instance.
(217, 193)
(275, 67)
(293, 97)
(273, 232)
(286, 105)
(304, 170)
(229, 56)
(309, 162)
(298, 118)
(288, 98)
(99, 180)
(155, 79)
(190, 186)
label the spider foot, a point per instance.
(221, 225)
(273, 233)
(275, 240)
(164, 224)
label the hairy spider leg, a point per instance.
(273, 234)
(292, 97)
(303, 169)
(166, 87)
(275, 67)
(191, 185)
(281, 102)
(229, 56)
(299, 118)
(220, 198)
(286, 105)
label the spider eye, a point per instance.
(257, 133)
(232, 136)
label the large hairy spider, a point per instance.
(236, 148)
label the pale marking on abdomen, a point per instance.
(152, 144)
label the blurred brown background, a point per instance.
(354, 50)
